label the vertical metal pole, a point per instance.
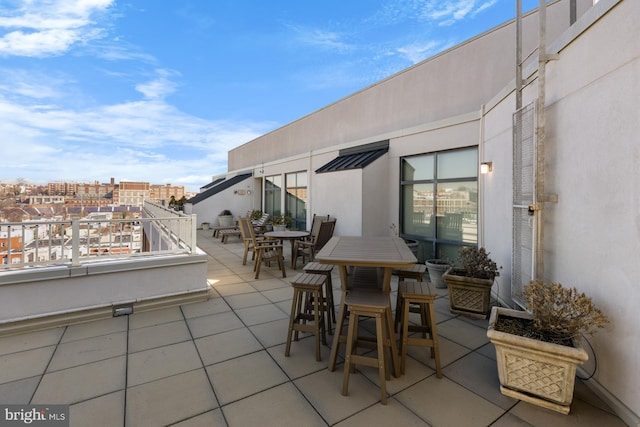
(540, 143)
(518, 55)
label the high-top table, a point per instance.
(354, 251)
(290, 235)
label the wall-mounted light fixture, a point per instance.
(486, 167)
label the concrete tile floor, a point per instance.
(221, 363)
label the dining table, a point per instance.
(381, 252)
(290, 235)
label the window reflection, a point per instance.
(440, 201)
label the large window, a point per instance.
(273, 195)
(440, 201)
(296, 201)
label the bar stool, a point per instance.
(307, 286)
(370, 304)
(419, 293)
(415, 272)
(324, 269)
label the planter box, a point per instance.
(225, 220)
(535, 371)
(467, 295)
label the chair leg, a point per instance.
(256, 267)
(281, 265)
(246, 252)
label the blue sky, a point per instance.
(159, 91)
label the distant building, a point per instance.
(131, 193)
(162, 193)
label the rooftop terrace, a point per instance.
(221, 363)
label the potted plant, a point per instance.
(437, 268)
(225, 218)
(280, 222)
(255, 215)
(538, 351)
(470, 284)
(413, 245)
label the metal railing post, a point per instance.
(194, 233)
(75, 242)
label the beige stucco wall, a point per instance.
(454, 82)
(238, 198)
(592, 235)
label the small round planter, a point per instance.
(225, 220)
(437, 268)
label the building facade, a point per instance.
(428, 128)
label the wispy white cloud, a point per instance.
(159, 87)
(145, 140)
(417, 52)
(317, 37)
(39, 28)
(437, 12)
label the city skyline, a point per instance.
(159, 92)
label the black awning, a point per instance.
(218, 188)
(356, 158)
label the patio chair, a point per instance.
(247, 240)
(260, 224)
(265, 250)
(308, 249)
(315, 226)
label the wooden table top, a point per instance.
(366, 252)
(289, 234)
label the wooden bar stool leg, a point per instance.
(337, 334)
(382, 371)
(330, 300)
(316, 319)
(352, 336)
(292, 316)
(388, 317)
(405, 334)
(435, 349)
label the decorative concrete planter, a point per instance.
(437, 268)
(535, 371)
(225, 220)
(468, 296)
(279, 228)
(205, 226)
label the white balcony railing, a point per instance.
(73, 242)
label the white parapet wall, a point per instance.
(46, 297)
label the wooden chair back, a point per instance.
(325, 232)
(315, 224)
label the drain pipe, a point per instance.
(480, 222)
(540, 197)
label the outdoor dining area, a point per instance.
(229, 361)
